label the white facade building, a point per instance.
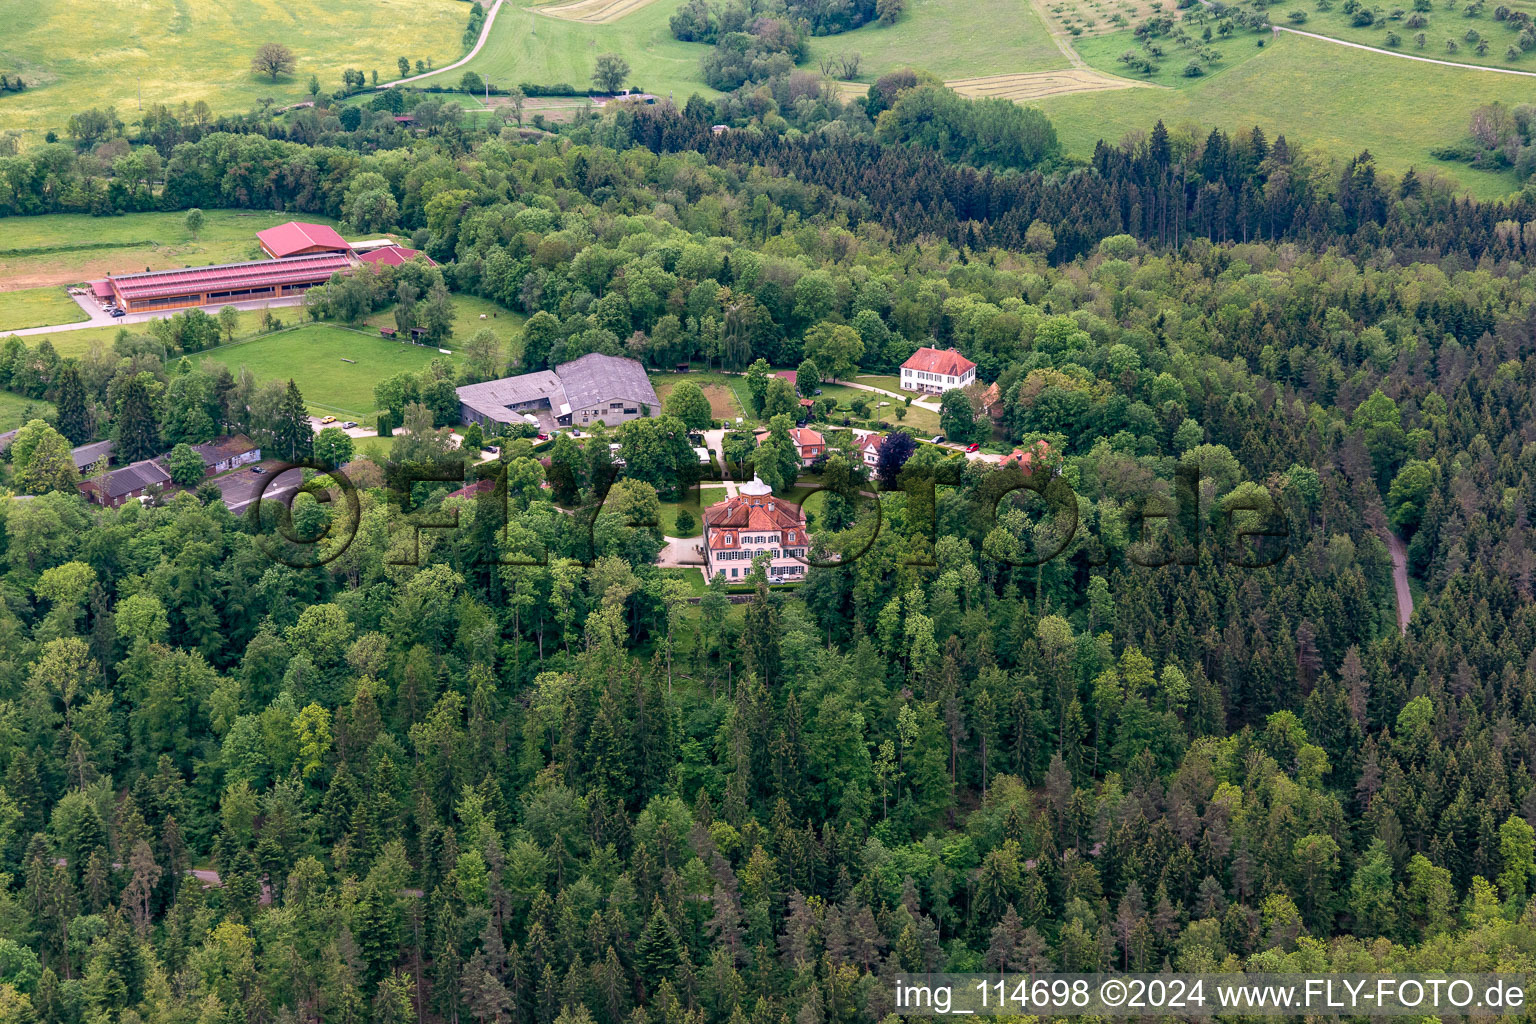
(933, 371)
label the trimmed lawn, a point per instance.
(174, 52)
(695, 503)
(372, 447)
(314, 356)
(72, 248)
(1311, 91)
(18, 409)
(874, 380)
(38, 307)
(692, 577)
(918, 418)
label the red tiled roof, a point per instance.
(294, 237)
(231, 276)
(1026, 459)
(101, 289)
(869, 441)
(755, 514)
(804, 436)
(944, 361)
(393, 255)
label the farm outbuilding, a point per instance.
(225, 283)
(298, 239)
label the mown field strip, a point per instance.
(593, 12)
(1037, 84)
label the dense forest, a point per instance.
(512, 771)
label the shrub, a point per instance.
(1193, 70)
(1297, 17)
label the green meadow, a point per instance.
(123, 52)
(953, 39)
(317, 357)
(525, 46)
(1324, 97)
(38, 307)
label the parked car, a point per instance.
(348, 425)
(328, 419)
(543, 437)
(973, 447)
(118, 312)
(937, 439)
(257, 469)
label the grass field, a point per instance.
(890, 382)
(919, 419)
(952, 39)
(467, 313)
(536, 46)
(71, 248)
(313, 356)
(16, 409)
(595, 12)
(1314, 92)
(174, 52)
(37, 307)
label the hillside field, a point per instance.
(1310, 90)
(314, 356)
(174, 52)
(542, 47)
(952, 39)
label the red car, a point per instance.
(543, 437)
(973, 447)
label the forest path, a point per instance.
(1400, 580)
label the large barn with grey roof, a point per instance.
(582, 392)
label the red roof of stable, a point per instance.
(231, 276)
(294, 237)
(101, 289)
(943, 361)
(394, 255)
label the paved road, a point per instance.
(101, 319)
(1404, 56)
(485, 33)
(1400, 581)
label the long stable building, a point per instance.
(225, 283)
